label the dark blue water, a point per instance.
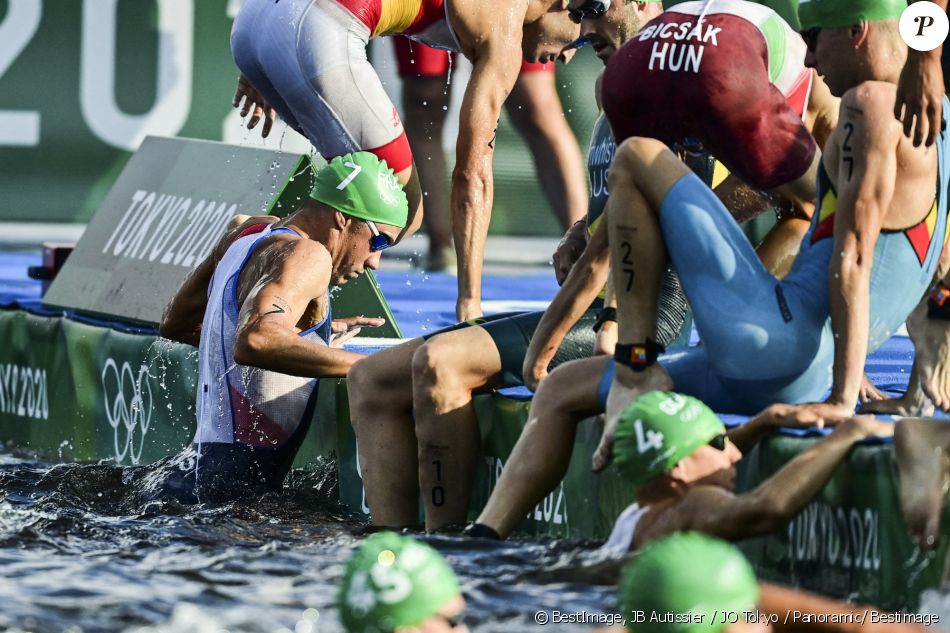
(79, 553)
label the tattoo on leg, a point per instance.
(627, 267)
(438, 492)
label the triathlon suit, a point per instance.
(620, 541)
(731, 78)
(418, 60)
(308, 59)
(768, 341)
(251, 421)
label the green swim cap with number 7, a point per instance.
(362, 186)
(837, 14)
(687, 573)
(393, 581)
(658, 430)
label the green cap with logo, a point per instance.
(692, 575)
(837, 14)
(658, 430)
(393, 581)
(362, 186)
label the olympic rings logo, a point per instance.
(128, 403)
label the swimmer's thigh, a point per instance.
(735, 301)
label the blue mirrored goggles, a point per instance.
(379, 241)
(590, 9)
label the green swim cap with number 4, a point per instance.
(687, 573)
(658, 430)
(393, 581)
(838, 14)
(362, 186)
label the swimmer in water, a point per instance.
(397, 584)
(872, 249)
(258, 308)
(305, 60)
(701, 581)
(681, 460)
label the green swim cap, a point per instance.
(393, 581)
(691, 575)
(658, 430)
(362, 186)
(836, 14)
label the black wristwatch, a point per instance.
(606, 314)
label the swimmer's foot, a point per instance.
(627, 386)
(924, 473)
(931, 339)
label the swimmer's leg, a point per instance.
(381, 415)
(446, 371)
(921, 447)
(543, 452)
(931, 338)
(534, 109)
(642, 173)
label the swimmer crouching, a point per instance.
(258, 308)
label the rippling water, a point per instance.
(78, 554)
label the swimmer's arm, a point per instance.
(182, 317)
(496, 59)
(580, 289)
(866, 166)
(718, 512)
(920, 91)
(266, 337)
(799, 610)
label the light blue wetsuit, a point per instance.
(765, 340)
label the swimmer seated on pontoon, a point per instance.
(764, 340)
(306, 61)
(258, 307)
(440, 445)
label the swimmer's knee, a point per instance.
(436, 364)
(362, 380)
(562, 389)
(638, 153)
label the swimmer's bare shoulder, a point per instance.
(712, 510)
(478, 29)
(182, 317)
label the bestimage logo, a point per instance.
(128, 404)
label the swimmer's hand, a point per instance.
(818, 414)
(345, 329)
(569, 249)
(862, 426)
(533, 372)
(255, 104)
(920, 97)
(869, 392)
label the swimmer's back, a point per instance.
(736, 83)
